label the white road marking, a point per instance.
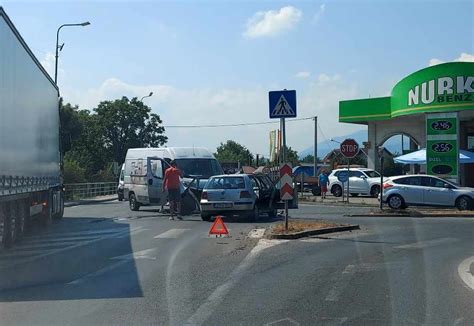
(332, 320)
(143, 254)
(133, 232)
(464, 271)
(171, 234)
(256, 233)
(56, 251)
(427, 243)
(214, 300)
(284, 321)
(349, 272)
(340, 285)
(100, 272)
(59, 239)
(78, 233)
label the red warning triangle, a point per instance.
(218, 227)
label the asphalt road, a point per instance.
(104, 265)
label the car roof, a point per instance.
(229, 176)
(414, 175)
(353, 169)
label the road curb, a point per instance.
(336, 204)
(308, 233)
(88, 202)
(414, 215)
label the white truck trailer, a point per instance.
(30, 174)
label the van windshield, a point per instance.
(202, 167)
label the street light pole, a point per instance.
(149, 95)
(58, 48)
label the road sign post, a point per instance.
(343, 176)
(286, 187)
(283, 105)
(380, 152)
(349, 148)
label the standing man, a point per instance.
(172, 184)
(323, 184)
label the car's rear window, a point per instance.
(226, 183)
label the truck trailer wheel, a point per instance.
(8, 228)
(59, 215)
(20, 219)
(46, 217)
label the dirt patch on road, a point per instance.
(300, 226)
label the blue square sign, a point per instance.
(282, 104)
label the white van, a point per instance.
(145, 167)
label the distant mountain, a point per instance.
(393, 144)
(325, 147)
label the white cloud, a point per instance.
(464, 57)
(323, 78)
(317, 16)
(272, 22)
(303, 74)
(224, 106)
(48, 63)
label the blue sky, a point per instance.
(215, 61)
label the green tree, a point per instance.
(125, 124)
(292, 156)
(232, 151)
(310, 159)
(73, 172)
(71, 125)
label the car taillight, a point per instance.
(387, 185)
(245, 194)
(204, 195)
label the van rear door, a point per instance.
(155, 173)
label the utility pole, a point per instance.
(315, 153)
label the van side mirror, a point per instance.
(150, 182)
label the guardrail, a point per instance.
(74, 191)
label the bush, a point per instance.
(73, 172)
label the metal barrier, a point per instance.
(74, 191)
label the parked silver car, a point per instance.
(362, 181)
(425, 190)
(239, 194)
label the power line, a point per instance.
(234, 124)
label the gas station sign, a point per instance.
(442, 145)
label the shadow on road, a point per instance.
(76, 258)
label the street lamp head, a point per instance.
(151, 94)
(85, 24)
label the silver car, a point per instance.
(425, 190)
(242, 194)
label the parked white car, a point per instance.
(362, 181)
(425, 190)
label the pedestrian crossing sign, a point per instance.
(282, 104)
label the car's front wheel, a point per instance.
(396, 202)
(316, 190)
(134, 205)
(336, 190)
(375, 191)
(463, 203)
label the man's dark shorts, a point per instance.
(174, 195)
